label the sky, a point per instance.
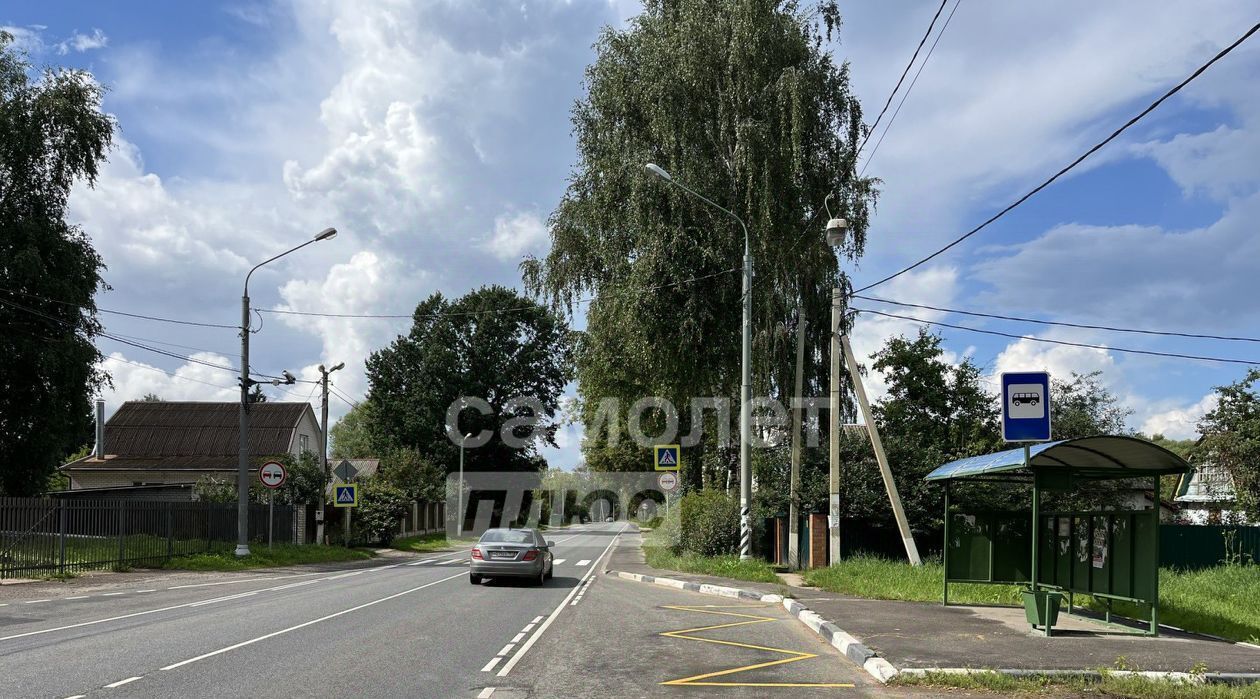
(435, 137)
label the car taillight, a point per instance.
(530, 555)
(476, 553)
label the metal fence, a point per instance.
(43, 536)
(1197, 546)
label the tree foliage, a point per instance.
(352, 435)
(1084, 407)
(413, 474)
(491, 344)
(1231, 438)
(52, 134)
(741, 101)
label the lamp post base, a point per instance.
(242, 550)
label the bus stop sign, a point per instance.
(1026, 406)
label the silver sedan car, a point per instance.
(511, 553)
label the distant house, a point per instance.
(162, 443)
(1206, 496)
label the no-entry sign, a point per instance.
(272, 474)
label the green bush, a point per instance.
(709, 523)
(381, 505)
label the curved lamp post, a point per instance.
(745, 393)
(242, 466)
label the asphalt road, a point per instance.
(413, 628)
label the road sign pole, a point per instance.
(271, 514)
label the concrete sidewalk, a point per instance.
(919, 635)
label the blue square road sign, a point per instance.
(1026, 406)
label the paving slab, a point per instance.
(923, 635)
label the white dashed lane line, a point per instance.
(493, 661)
(486, 693)
(584, 562)
(558, 561)
(120, 683)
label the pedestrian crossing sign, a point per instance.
(346, 495)
(668, 457)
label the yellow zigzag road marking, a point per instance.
(699, 680)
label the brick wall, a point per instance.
(818, 541)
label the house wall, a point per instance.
(109, 479)
(308, 426)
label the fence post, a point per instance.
(122, 543)
(170, 529)
(209, 531)
(61, 536)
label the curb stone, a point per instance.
(882, 670)
(851, 647)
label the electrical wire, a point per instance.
(1108, 328)
(1098, 146)
(909, 65)
(111, 358)
(906, 94)
(1173, 355)
(121, 313)
(493, 311)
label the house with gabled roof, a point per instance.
(163, 443)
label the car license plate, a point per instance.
(502, 555)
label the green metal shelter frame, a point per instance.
(1109, 554)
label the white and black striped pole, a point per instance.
(745, 391)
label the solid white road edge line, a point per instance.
(529, 643)
(163, 609)
(303, 625)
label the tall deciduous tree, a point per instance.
(742, 101)
(1083, 407)
(352, 435)
(492, 344)
(1231, 439)
(52, 134)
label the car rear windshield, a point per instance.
(507, 536)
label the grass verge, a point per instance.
(1222, 601)
(262, 557)
(425, 543)
(755, 570)
(1108, 686)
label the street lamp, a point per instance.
(745, 392)
(242, 466)
(459, 526)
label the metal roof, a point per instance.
(1112, 456)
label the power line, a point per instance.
(1152, 353)
(121, 313)
(112, 358)
(348, 401)
(117, 338)
(906, 94)
(1065, 324)
(903, 76)
(492, 311)
(1076, 162)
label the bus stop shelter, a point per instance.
(1110, 554)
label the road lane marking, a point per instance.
(517, 638)
(583, 562)
(536, 620)
(486, 693)
(529, 643)
(160, 609)
(420, 563)
(120, 683)
(139, 592)
(77, 696)
(506, 649)
(490, 665)
(234, 582)
(78, 597)
(303, 625)
(528, 627)
(701, 680)
(112, 594)
(453, 560)
(35, 601)
(558, 561)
